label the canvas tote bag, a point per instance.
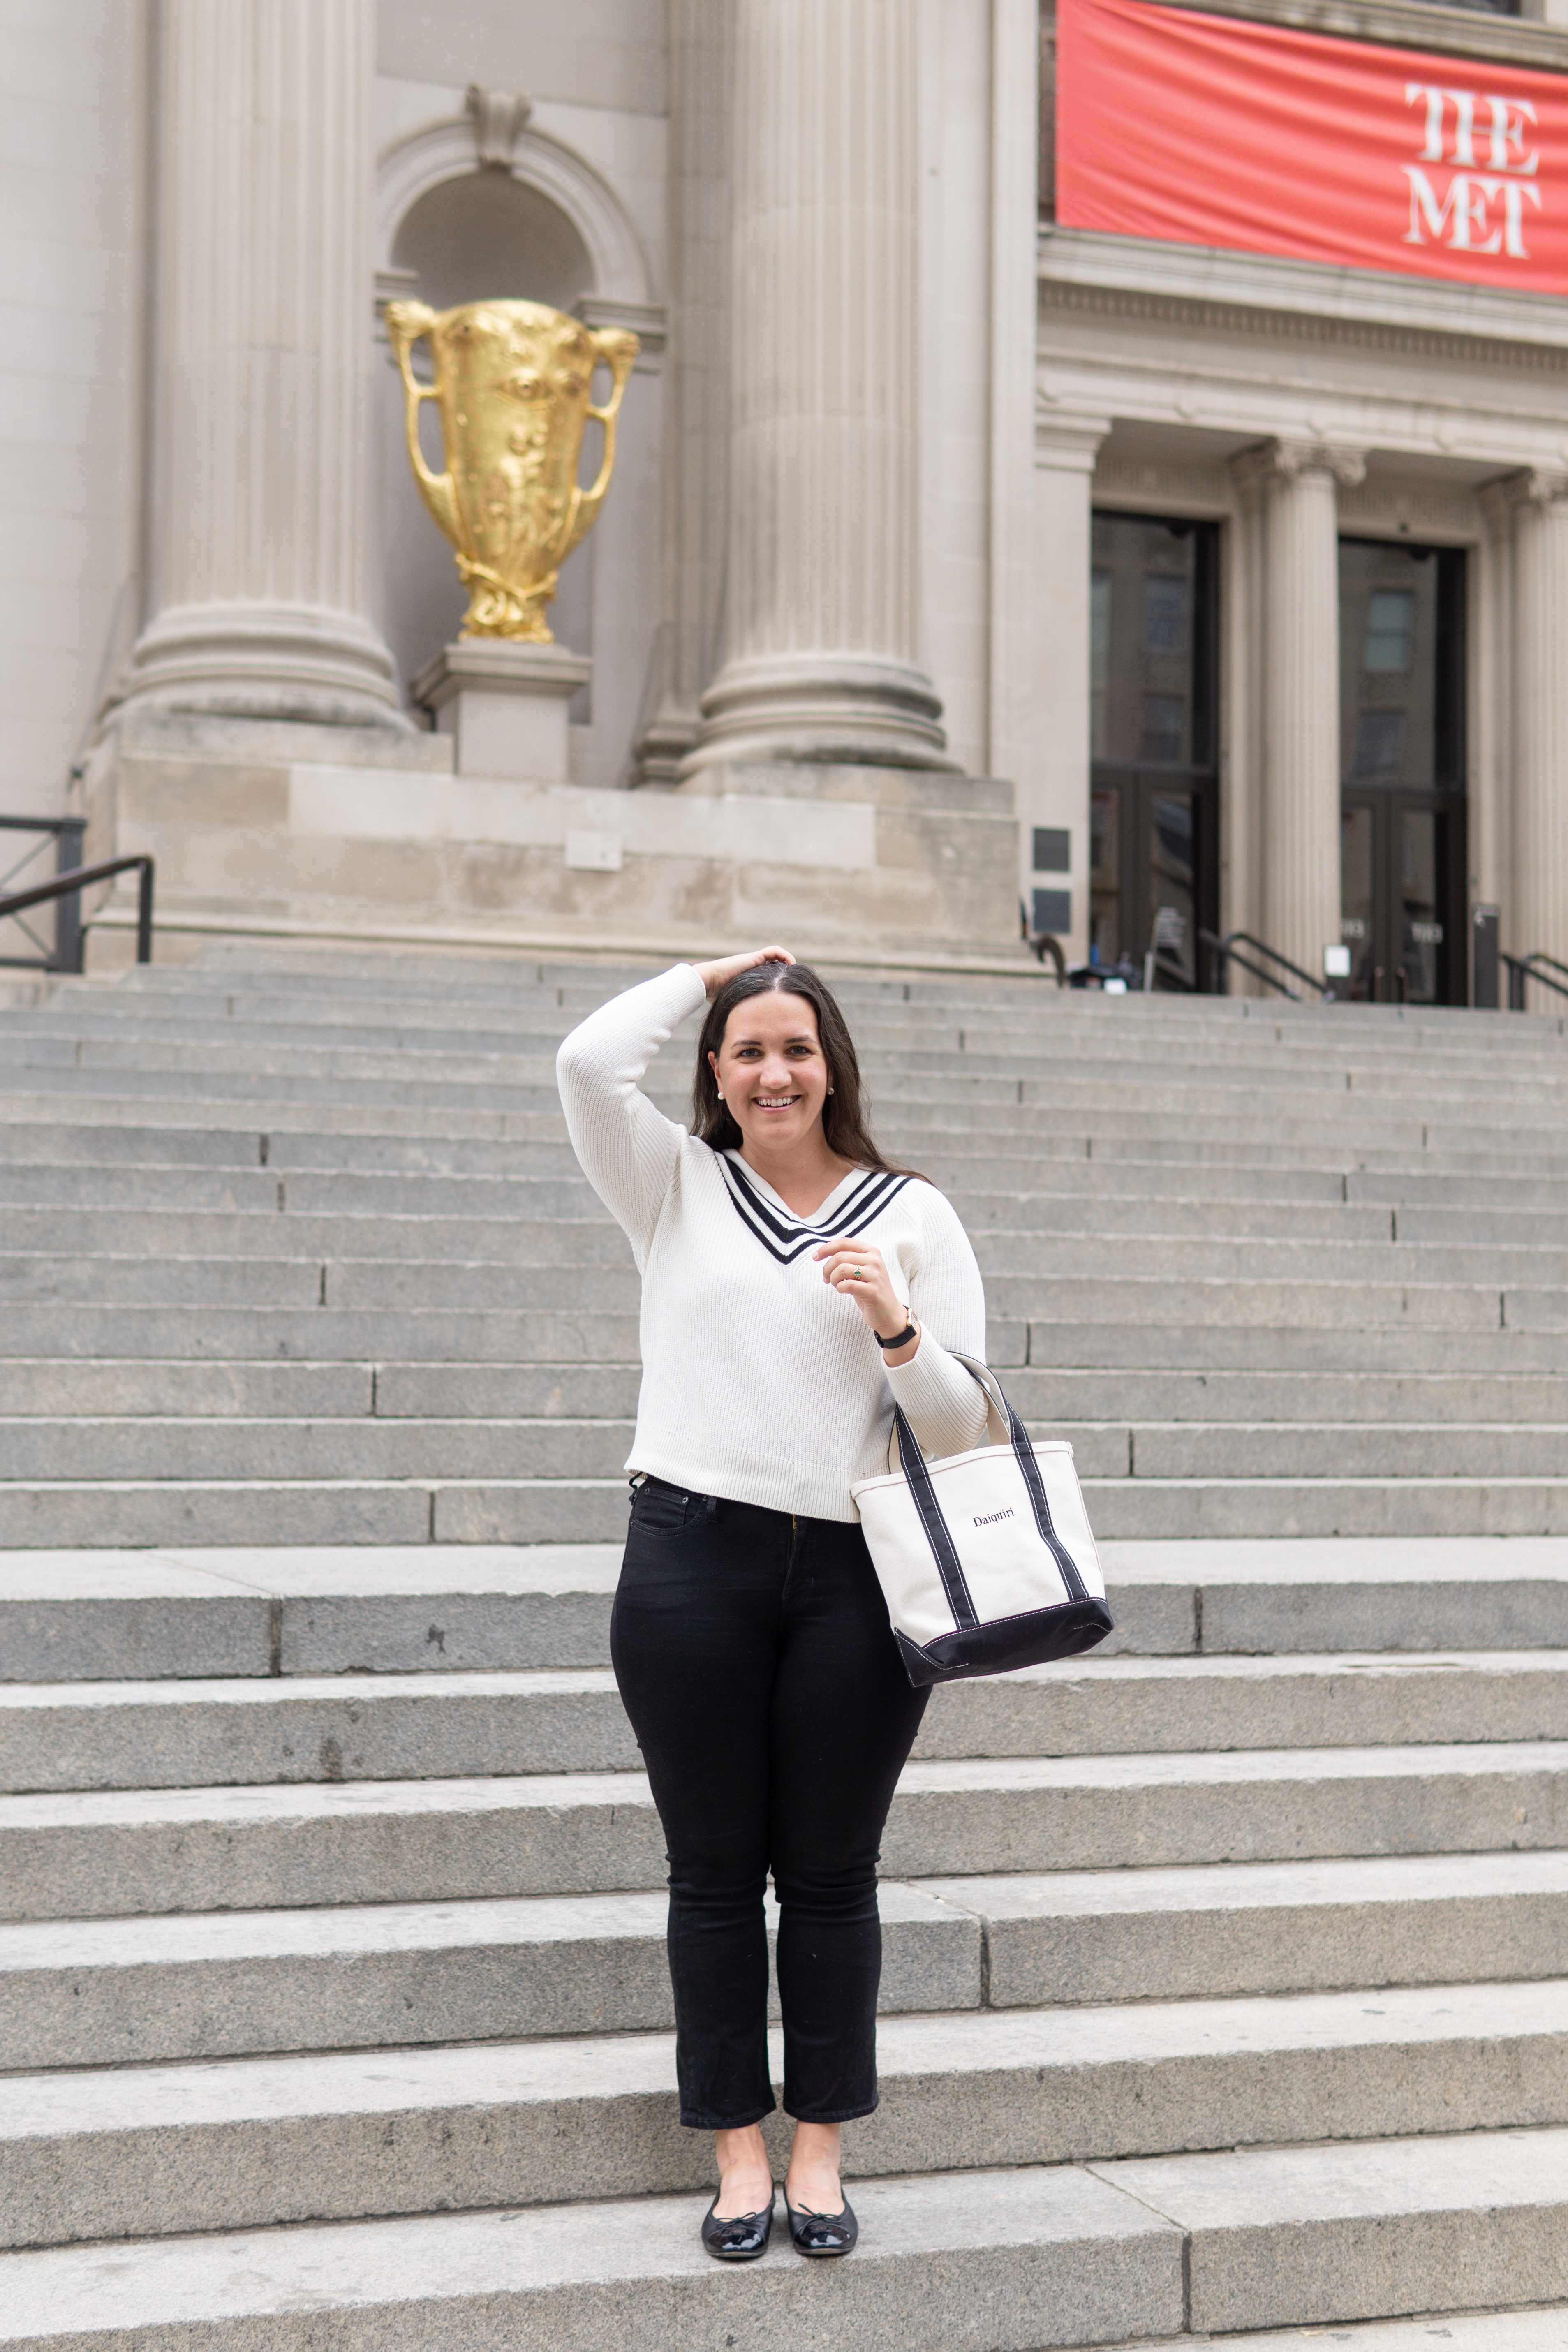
(985, 1558)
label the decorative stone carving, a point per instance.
(513, 385)
(498, 117)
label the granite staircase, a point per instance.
(1225, 1980)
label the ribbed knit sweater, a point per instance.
(761, 1383)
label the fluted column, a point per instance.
(696, 378)
(1539, 915)
(1301, 832)
(823, 619)
(259, 591)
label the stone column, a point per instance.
(1300, 842)
(695, 377)
(1054, 793)
(259, 595)
(1539, 915)
(823, 596)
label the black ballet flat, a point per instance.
(819, 2235)
(741, 2238)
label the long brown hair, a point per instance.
(843, 1120)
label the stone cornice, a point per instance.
(1293, 320)
(1407, 25)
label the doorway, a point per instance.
(1154, 786)
(1402, 809)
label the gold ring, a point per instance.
(859, 1274)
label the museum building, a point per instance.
(1104, 474)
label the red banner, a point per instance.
(1210, 130)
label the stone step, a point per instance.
(1541, 2330)
(175, 1448)
(956, 1024)
(354, 1133)
(108, 1853)
(122, 1992)
(128, 1085)
(132, 1991)
(260, 1730)
(979, 2261)
(478, 1336)
(251, 2143)
(1093, 1344)
(440, 1509)
(1163, 1934)
(1353, 1244)
(91, 1615)
(258, 1333)
(1510, 1297)
(219, 1235)
(199, 1388)
(960, 1008)
(202, 1211)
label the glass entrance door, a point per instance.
(1154, 799)
(1401, 824)
(1401, 858)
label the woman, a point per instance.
(794, 1284)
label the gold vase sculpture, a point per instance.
(512, 384)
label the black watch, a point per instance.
(900, 1339)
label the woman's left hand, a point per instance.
(857, 1271)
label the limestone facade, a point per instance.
(833, 639)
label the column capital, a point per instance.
(1533, 486)
(1069, 445)
(1288, 461)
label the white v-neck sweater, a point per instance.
(760, 1384)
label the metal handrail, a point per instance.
(1045, 943)
(78, 879)
(1523, 968)
(1224, 951)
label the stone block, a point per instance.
(982, 2262)
(1179, 1933)
(1292, 2237)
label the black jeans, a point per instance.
(754, 1657)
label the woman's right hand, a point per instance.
(714, 976)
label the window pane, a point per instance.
(1391, 617)
(1165, 614)
(1163, 716)
(1402, 665)
(1098, 661)
(1173, 887)
(1143, 641)
(1420, 913)
(1105, 876)
(1379, 743)
(1356, 908)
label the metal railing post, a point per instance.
(68, 939)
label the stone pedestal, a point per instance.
(1539, 917)
(258, 598)
(504, 705)
(1301, 845)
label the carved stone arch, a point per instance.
(447, 150)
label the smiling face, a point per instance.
(771, 1071)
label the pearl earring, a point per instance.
(720, 1093)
